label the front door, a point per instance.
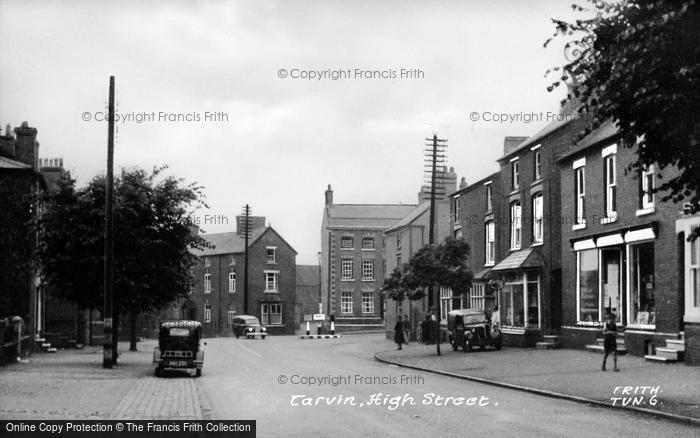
(611, 282)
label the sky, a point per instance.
(239, 96)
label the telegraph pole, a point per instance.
(435, 158)
(107, 359)
(246, 231)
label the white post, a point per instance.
(332, 328)
(308, 328)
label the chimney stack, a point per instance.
(463, 183)
(329, 196)
(26, 146)
(7, 143)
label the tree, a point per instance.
(153, 238)
(443, 265)
(637, 64)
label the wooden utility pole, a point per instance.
(435, 159)
(246, 231)
(109, 345)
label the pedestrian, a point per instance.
(425, 330)
(407, 329)
(398, 333)
(610, 340)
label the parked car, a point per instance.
(469, 328)
(248, 326)
(180, 347)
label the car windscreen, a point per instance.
(179, 332)
(252, 321)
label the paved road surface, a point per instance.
(242, 380)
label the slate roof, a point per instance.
(411, 216)
(227, 243)
(524, 258)
(551, 127)
(6, 163)
(604, 132)
(366, 216)
(307, 275)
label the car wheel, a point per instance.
(238, 335)
(482, 347)
(263, 336)
(159, 372)
(498, 346)
(199, 372)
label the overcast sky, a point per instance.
(286, 138)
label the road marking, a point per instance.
(248, 349)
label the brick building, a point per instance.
(624, 251)
(307, 300)
(218, 295)
(473, 213)
(352, 265)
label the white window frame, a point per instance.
(346, 302)
(207, 313)
(516, 228)
(347, 239)
(445, 302)
(538, 164)
(275, 281)
(477, 295)
(367, 303)
(537, 219)
(515, 173)
(610, 175)
(207, 261)
(368, 269)
(686, 226)
(231, 282)
(347, 266)
(647, 205)
(580, 196)
(490, 252)
(272, 259)
(457, 206)
(367, 239)
(489, 196)
(207, 283)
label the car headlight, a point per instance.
(264, 329)
(250, 329)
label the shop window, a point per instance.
(271, 313)
(512, 299)
(611, 282)
(587, 279)
(642, 284)
(533, 305)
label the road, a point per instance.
(276, 382)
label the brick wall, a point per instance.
(692, 344)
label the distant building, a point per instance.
(218, 294)
(352, 266)
(308, 300)
(408, 235)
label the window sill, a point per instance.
(577, 227)
(645, 327)
(347, 279)
(645, 211)
(368, 279)
(612, 218)
(537, 244)
(591, 324)
(272, 263)
(490, 264)
(272, 291)
(347, 249)
(513, 330)
(368, 249)
(514, 248)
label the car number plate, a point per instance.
(178, 363)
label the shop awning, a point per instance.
(522, 259)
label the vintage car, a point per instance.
(469, 328)
(179, 347)
(248, 326)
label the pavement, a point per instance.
(569, 374)
(72, 384)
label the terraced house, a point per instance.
(626, 253)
